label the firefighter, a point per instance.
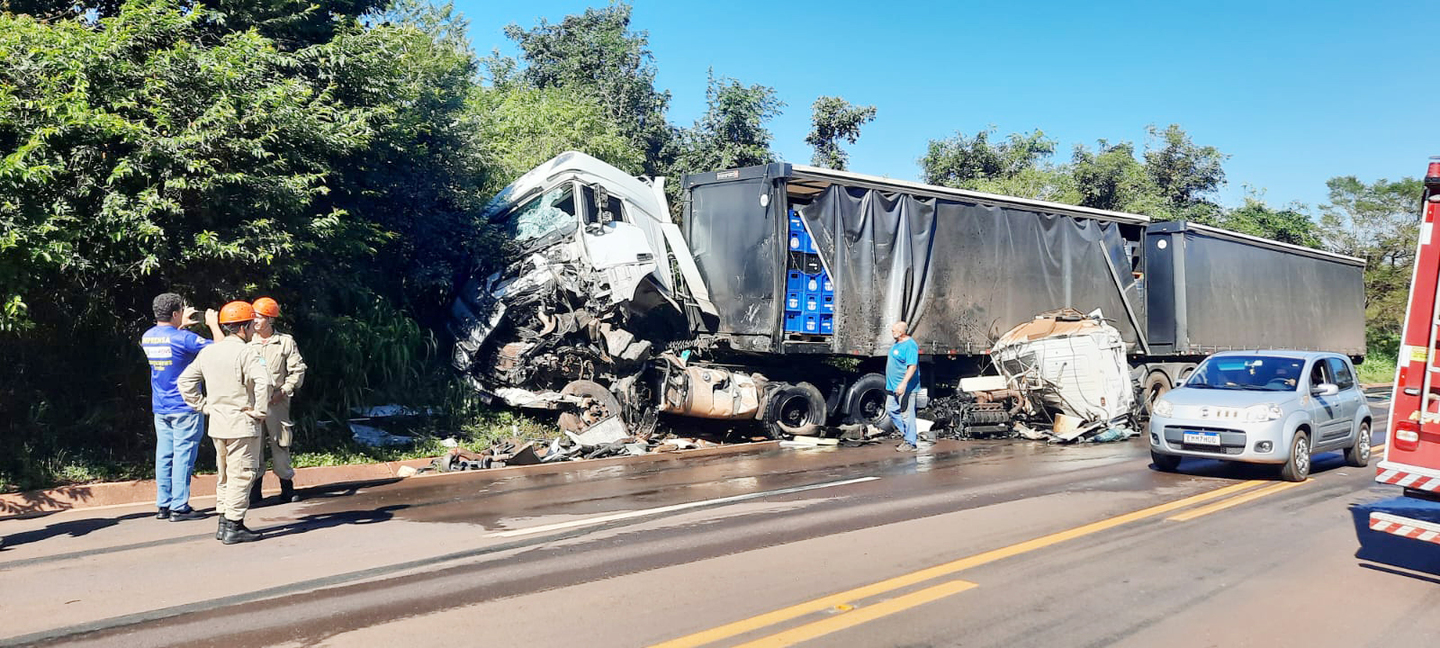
(236, 398)
(287, 373)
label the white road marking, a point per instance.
(670, 509)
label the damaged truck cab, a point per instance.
(595, 282)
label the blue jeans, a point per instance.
(177, 443)
(902, 414)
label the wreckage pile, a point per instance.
(596, 443)
(1063, 377)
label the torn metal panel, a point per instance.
(1072, 366)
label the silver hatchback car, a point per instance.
(1271, 407)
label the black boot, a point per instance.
(235, 532)
(287, 491)
(255, 495)
(220, 532)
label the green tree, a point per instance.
(521, 127)
(833, 119)
(1289, 224)
(963, 162)
(1185, 175)
(1172, 179)
(732, 131)
(596, 53)
(1378, 222)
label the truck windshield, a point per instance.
(1252, 373)
(547, 214)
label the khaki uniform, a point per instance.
(287, 373)
(236, 398)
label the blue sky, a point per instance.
(1294, 92)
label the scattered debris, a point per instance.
(378, 438)
(809, 442)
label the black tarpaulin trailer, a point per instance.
(960, 266)
(1214, 290)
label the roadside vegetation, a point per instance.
(336, 155)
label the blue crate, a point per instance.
(793, 299)
(795, 280)
(812, 284)
(825, 284)
(827, 324)
(798, 241)
(827, 303)
(810, 245)
(811, 302)
(796, 223)
(812, 323)
(794, 322)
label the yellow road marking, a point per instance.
(1235, 501)
(875, 589)
(860, 615)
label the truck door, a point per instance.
(1324, 410)
(616, 247)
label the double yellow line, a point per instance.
(846, 612)
(848, 598)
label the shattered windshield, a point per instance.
(552, 212)
(1249, 373)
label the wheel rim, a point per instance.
(871, 405)
(794, 411)
(1302, 457)
(1364, 443)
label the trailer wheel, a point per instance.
(866, 402)
(1156, 385)
(796, 410)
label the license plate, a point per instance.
(1202, 438)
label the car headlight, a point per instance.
(1162, 408)
(1263, 412)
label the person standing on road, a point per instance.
(236, 397)
(902, 377)
(287, 373)
(170, 349)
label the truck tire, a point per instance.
(795, 410)
(865, 401)
(1157, 384)
(1358, 455)
(1297, 467)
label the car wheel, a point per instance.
(1297, 468)
(1358, 455)
(1164, 462)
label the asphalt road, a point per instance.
(998, 543)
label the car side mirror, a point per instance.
(1325, 389)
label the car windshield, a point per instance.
(553, 212)
(1250, 373)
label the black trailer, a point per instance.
(962, 267)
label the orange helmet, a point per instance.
(267, 307)
(237, 312)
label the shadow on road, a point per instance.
(1196, 467)
(1392, 550)
(326, 520)
(72, 528)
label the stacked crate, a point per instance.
(809, 292)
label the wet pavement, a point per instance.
(642, 553)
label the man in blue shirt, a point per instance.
(178, 428)
(902, 378)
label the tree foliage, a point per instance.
(596, 54)
(732, 131)
(1378, 222)
(833, 119)
(521, 127)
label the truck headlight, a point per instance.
(1162, 408)
(1263, 412)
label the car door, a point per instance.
(1325, 411)
(1351, 399)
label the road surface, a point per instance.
(976, 543)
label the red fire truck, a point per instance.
(1412, 451)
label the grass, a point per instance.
(1378, 368)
